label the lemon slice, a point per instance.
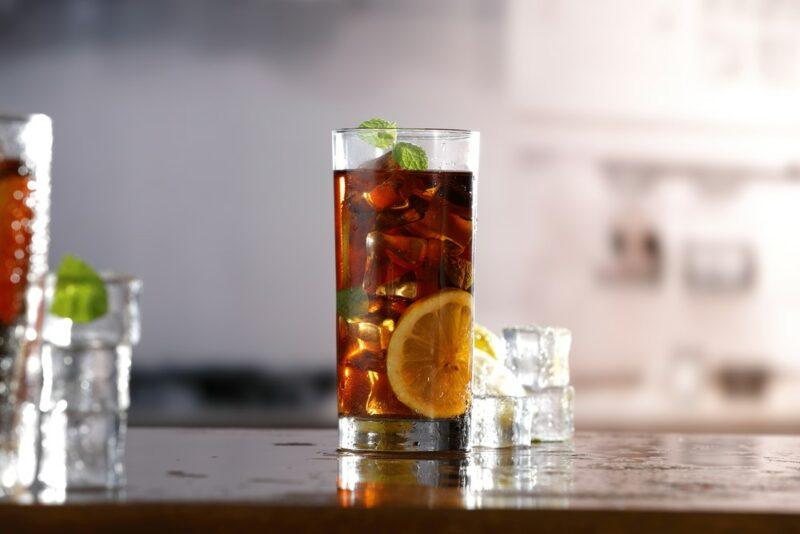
(429, 355)
(491, 378)
(490, 343)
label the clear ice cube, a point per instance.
(412, 211)
(490, 378)
(383, 163)
(458, 272)
(406, 252)
(501, 421)
(82, 449)
(539, 355)
(552, 415)
(368, 338)
(83, 416)
(387, 195)
(390, 262)
(440, 222)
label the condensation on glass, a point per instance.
(25, 158)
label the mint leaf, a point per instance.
(383, 134)
(351, 302)
(80, 292)
(410, 157)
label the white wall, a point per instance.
(193, 149)
(193, 146)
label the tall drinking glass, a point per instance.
(25, 154)
(404, 222)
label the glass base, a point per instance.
(404, 435)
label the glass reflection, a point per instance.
(530, 477)
(537, 476)
(51, 495)
(370, 480)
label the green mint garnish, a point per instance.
(80, 292)
(410, 157)
(351, 302)
(383, 134)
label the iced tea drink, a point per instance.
(25, 144)
(16, 214)
(25, 151)
(404, 280)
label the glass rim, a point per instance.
(113, 277)
(108, 278)
(422, 132)
(22, 117)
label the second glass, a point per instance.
(404, 222)
(82, 387)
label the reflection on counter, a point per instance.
(540, 475)
(370, 480)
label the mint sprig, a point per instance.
(383, 134)
(410, 156)
(351, 302)
(80, 292)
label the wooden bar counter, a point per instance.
(246, 481)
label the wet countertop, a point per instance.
(265, 479)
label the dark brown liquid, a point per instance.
(16, 215)
(400, 236)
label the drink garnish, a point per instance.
(489, 342)
(410, 156)
(80, 292)
(383, 134)
(428, 360)
(351, 302)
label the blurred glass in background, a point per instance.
(639, 186)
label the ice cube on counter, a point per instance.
(491, 378)
(552, 413)
(501, 421)
(539, 355)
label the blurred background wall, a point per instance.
(639, 184)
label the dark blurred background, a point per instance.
(640, 177)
